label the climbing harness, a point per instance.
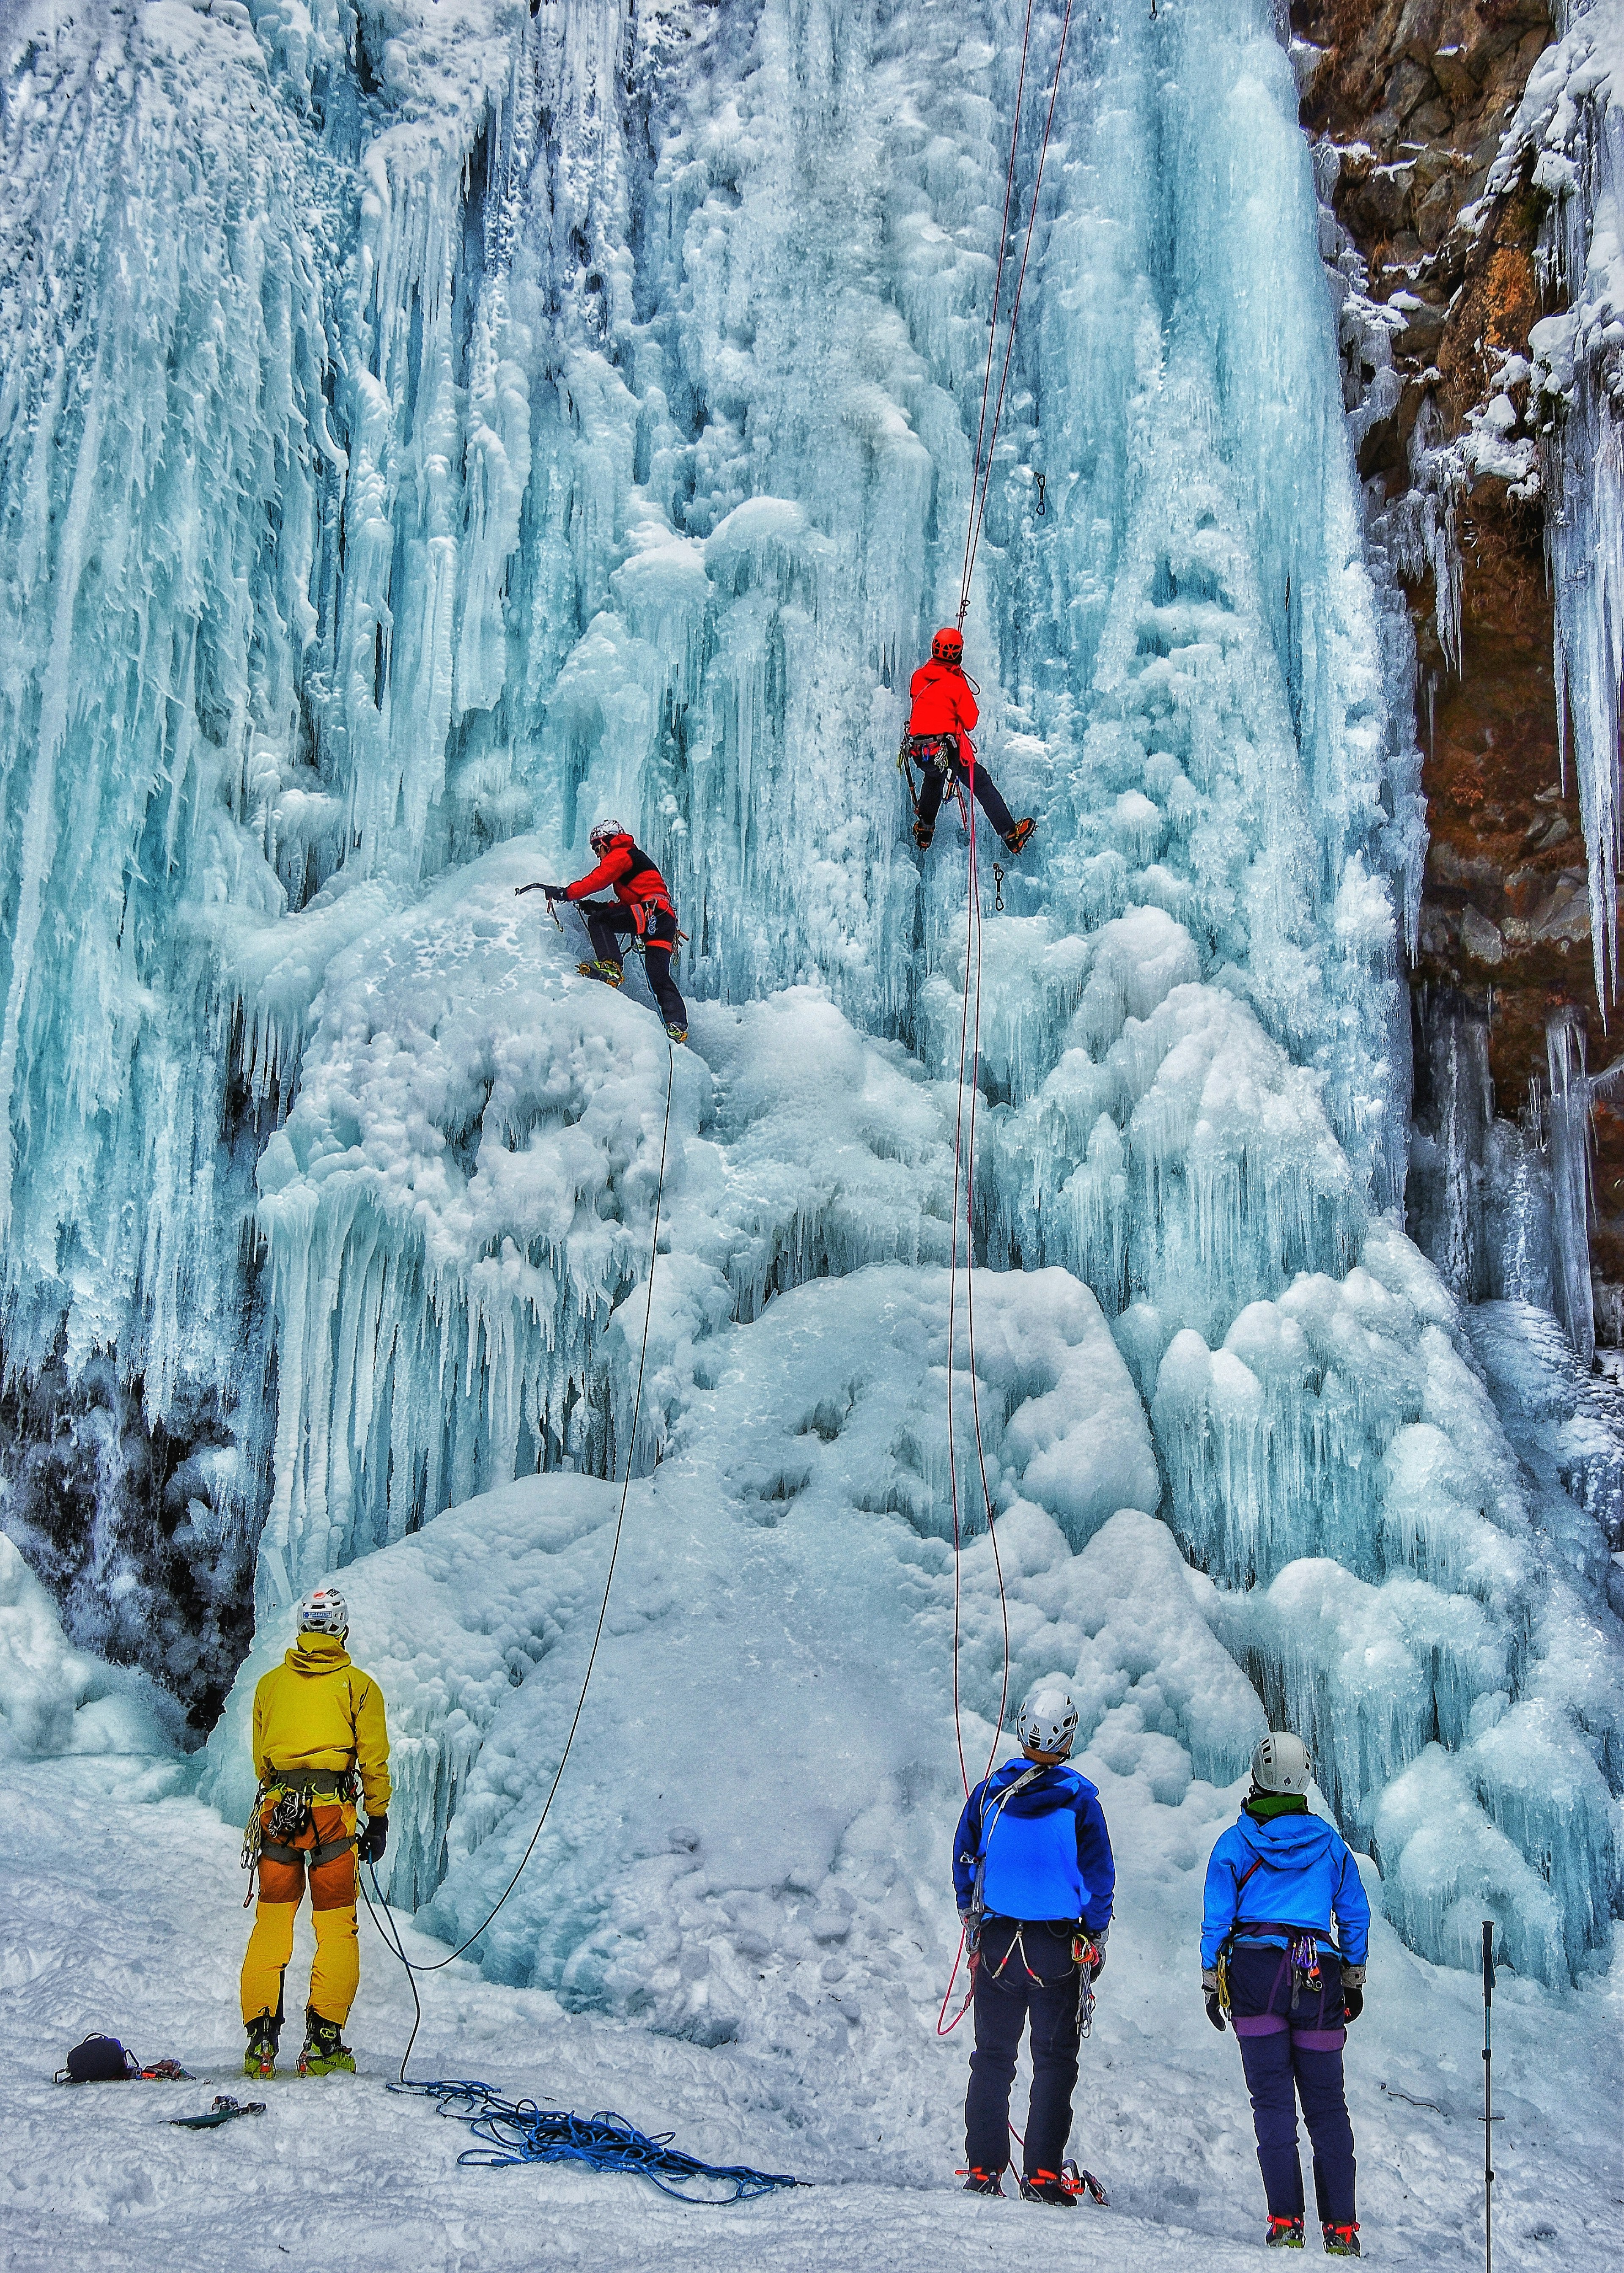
(391, 1938)
(513, 2131)
(273, 1835)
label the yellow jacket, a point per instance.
(317, 1710)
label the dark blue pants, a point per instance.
(1031, 1974)
(606, 922)
(933, 789)
(1290, 2054)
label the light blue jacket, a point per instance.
(1306, 1875)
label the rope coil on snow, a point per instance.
(515, 2131)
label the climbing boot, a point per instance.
(1048, 2186)
(324, 2054)
(611, 973)
(1285, 2233)
(677, 1033)
(260, 2058)
(1021, 836)
(923, 831)
(1341, 2240)
(983, 2182)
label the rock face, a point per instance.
(1409, 99)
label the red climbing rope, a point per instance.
(981, 480)
(969, 1029)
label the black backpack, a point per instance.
(99, 2059)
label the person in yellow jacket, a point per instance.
(319, 1729)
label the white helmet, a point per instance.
(324, 1610)
(1281, 1763)
(603, 830)
(1047, 1721)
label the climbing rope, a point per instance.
(981, 482)
(391, 1938)
(513, 2131)
(970, 1023)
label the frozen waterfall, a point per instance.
(428, 428)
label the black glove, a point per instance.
(1353, 2002)
(1096, 1964)
(373, 1840)
(1215, 2010)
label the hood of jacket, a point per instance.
(1297, 1840)
(1051, 1787)
(318, 1653)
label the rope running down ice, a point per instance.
(969, 1034)
(391, 1937)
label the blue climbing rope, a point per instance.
(512, 2131)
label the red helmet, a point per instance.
(948, 645)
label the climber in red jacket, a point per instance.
(641, 909)
(938, 741)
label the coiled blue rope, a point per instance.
(512, 2131)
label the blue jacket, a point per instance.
(1048, 1853)
(1308, 1873)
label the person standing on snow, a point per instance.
(1034, 1877)
(938, 741)
(641, 909)
(1275, 1880)
(318, 1726)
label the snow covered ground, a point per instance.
(122, 1913)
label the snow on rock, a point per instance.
(56, 1699)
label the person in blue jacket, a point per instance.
(1034, 1874)
(1274, 1881)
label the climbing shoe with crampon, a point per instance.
(1048, 2186)
(1020, 835)
(1341, 2240)
(260, 2058)
(611, 973)
(923, 831)
(677, 1033)
(984, 2182)
(324, 2054)
(1285, 2233)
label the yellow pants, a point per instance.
(335, 1975)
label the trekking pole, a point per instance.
(1488, 2097)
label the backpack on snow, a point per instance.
(99, 2059)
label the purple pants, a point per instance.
(1290, 2055)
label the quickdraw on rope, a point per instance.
(391, 1937)
(514, 2131)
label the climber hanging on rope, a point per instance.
(938, 741)
(641, 910)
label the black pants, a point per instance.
(934, 787)
(607, 923)
(1026, 1970)
(1293, 2053)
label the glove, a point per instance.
(1353, 2001)
(1088, 1949)
(1209, 1985)
(373, 1840)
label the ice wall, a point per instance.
(578, 413)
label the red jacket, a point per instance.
(637, 881)
(942, 703)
